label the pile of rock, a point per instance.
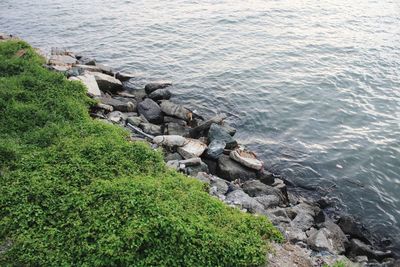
(208, 151)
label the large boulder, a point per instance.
(107, 83)
(151, 111)
(216, 132)
(231, 170)
(175, 110)
(151, 87)
(255, 188)
(160, 94)
(303, 221)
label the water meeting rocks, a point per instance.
(216, 132)
(160, 94)
(151, 111)
(151, 87)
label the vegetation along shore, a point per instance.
(95, 172)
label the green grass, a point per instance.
(75, 191)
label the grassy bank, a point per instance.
(74, 191)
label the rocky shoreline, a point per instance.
(205, 148)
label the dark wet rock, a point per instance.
(175, 110)
(152, 129)
(194, 170)
(215, 149)
(168, 119)
(107, 83)
(244, 201)
(359, 248)
(151, 87)
(151, 111)
(354, 228)
(230, 170)
(217, 133)
(160, 94)
(87, 61)
(173, 156)
(212, 165)
(199, 130)
(266, 177)
(134, 120)
(174, 128)
(128, 105)
(123, 77)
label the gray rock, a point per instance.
(295, 235)
(105, 69)
(215, 149)
(303, 221)
(62, 60)
(124, 106)
(220, 186)
(90, 83)
(139, 94)
(255, 188)
(203, 177)
(116, 116)
(270, 201)
(336, 236)
(230, 170)
(193, 148)
(135, 121)
(151, 87)
(151, 129)
(319, 241)
(151, 111)
(216, 132)
(175, 110)
(174, 128)
(107, 83)
(194, 170)
(160, 94)
(244, 201)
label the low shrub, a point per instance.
(75, 192)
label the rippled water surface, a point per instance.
(313, 86)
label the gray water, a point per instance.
(313, 86)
